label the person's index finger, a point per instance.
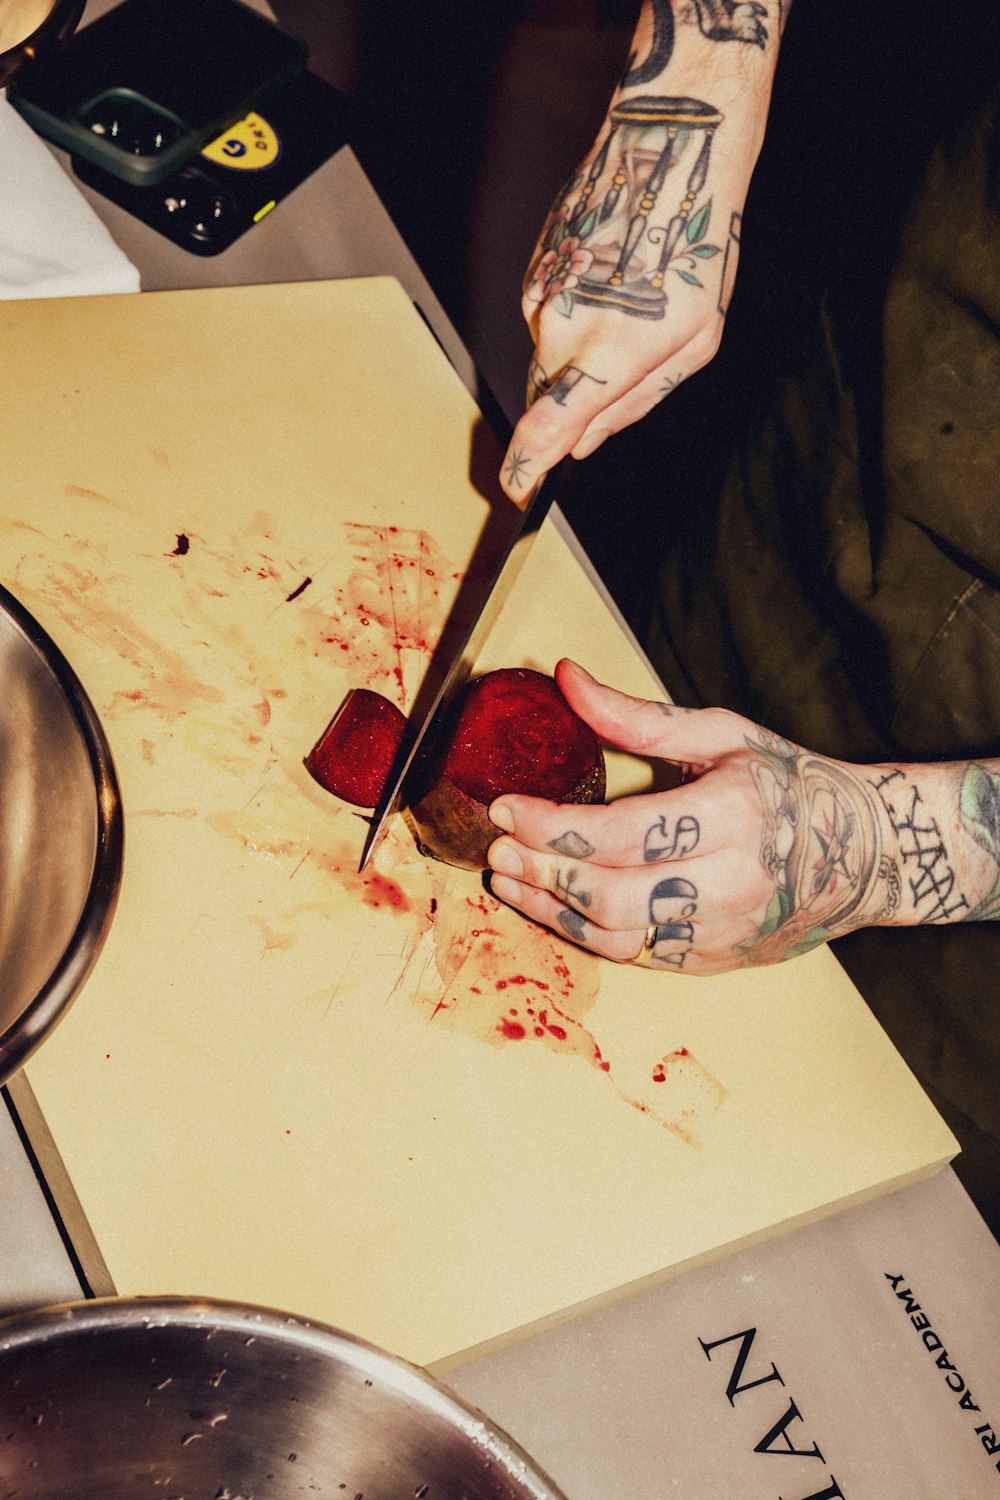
(558, 416)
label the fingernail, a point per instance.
(501, 815)
(505, 889)
(505, 858)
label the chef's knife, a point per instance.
(526, 527)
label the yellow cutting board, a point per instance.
(381, 1101)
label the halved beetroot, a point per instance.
(355, 754)
(510, 731)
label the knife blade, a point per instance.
(498, 587)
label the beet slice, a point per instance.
(510, 731)
(355, 754)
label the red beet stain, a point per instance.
(522, 980)
(512, 1030)
(382, 892)
(559, 1032)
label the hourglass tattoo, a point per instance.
(637, 217)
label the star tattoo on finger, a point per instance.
(516, 469)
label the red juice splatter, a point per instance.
(379, 891)
(399, 612)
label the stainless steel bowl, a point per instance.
(60, 835)
(29, 28)
(181, 1400)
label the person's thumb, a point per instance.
(688, 736)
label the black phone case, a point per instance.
(141, 90)
(242, 175)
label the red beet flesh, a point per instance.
(511, 731)
(356, 753)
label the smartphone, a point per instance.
(238, 178)
(141, 90)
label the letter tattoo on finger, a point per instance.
(663, 842)
(672, 904)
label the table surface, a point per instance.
(334, 226)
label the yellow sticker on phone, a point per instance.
(247, 146)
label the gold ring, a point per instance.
(648, 945)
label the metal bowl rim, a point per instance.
(50, 1326)
(80, 954)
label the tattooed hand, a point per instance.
(763, 852)
(630, 281)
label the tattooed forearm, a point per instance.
(979, 805)
(666, 841)
(732, 20)
(926, 861)
(718, 20)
